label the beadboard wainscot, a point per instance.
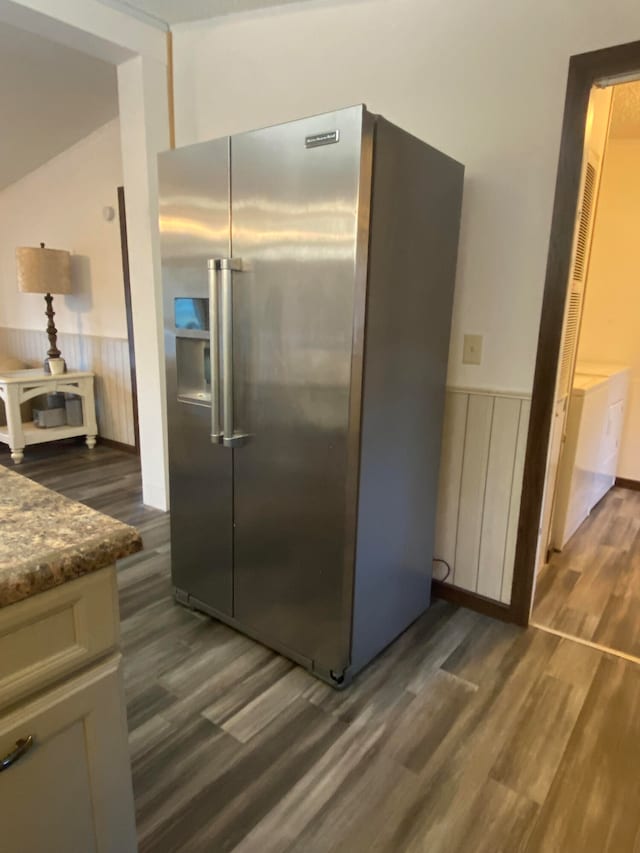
(108, 358)
(481, 470)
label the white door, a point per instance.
(553, 463)
(71, 791)
(568, 350)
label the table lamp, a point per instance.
(45, 271)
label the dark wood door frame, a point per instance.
(124, 245)
(584, 70)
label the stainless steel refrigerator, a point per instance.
(308, 273)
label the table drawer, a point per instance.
(56, 633)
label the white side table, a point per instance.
(18, 386)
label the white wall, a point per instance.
(611, 321)
(483, 82)
(61, 204)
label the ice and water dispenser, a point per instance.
(193, 350)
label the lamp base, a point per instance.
(61, 365)
(52, 333)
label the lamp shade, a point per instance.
(43, 270)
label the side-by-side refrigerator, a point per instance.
(308, 274)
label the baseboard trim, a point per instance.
(472, 601)
(118, 445)
(624, 483)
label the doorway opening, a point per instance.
(60, 176)
(580, 512)
(588, 573)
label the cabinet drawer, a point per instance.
(53, 634)
(70, 792)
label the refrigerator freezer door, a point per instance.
(194, 226)
(295, 208)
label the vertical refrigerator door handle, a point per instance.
(226, 268)
(214, 353)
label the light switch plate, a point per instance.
(472, 349)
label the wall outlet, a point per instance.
(472, 349)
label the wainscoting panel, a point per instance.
(108, 358)
(514, 505)
(455, 427)
(470, 507)
(497, 495)
(479, 494)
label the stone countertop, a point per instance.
(47, 539)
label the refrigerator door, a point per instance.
(194, 227)
(295, 228)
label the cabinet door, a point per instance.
(72, 790)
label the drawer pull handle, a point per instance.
(21, 746)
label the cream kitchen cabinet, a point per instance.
(65, 774)
(70, 792)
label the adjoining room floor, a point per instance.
(591, 589)
(467, 735)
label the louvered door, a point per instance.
(571, 329)
(573, 310)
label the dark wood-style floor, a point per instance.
(466, 735)
(591, 589)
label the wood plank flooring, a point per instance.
(591, 589)
(467, 735)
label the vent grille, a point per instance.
(570, 339)
(584, 224)
(578, 273)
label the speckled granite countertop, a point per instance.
(47, 539)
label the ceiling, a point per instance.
(50, 97)
(625, 111)
(180, 11)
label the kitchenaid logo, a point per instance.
(322, 139)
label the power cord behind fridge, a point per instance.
(444, 562)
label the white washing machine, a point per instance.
(592, 444)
